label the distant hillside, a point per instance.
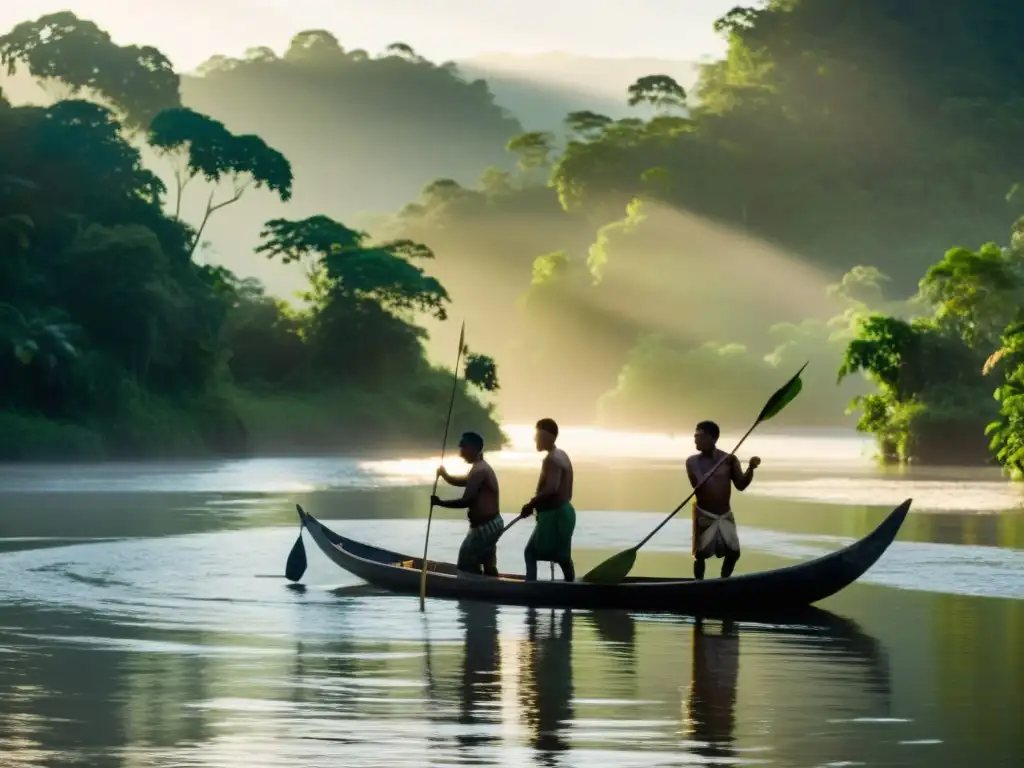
(365, 135)
(541, 89)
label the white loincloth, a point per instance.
(714, 535)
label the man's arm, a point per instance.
(551, 477)
(473, 482)
(459, 481)
(691, 474)
(740, 478)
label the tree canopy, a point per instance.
(75, 57)
(831, 142)
(336, 112)
(114, 341)
(838, 155)
(203, 147)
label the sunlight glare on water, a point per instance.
(592, 444)
(825, 466)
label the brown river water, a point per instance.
(140, 624)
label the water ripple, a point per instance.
(148, 580)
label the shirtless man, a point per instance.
(556, 518)
(714, 527)
(480, 499)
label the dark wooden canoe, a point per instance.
(783, 589)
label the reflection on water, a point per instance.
(133, 632)
(366, 680)
(480, 688)
(547, 682)
(711, 703)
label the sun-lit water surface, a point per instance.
(819, 466)
(177, 646)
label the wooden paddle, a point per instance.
(296, 564)
(617, 567)
(444, 443)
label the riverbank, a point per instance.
(236, 423)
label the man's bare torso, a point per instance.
(715, 495)
(485, 505)
(557, 461)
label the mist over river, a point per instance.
(137, 628)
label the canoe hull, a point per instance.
(784, 589)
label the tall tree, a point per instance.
(533, 150)
(356, 268)
(364, 296)
(75, 54)
(402, 51)
(314, 46)
(203, 147)
(660, 91)
(586, 124)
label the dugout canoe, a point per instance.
(783, 589)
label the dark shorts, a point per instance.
(478, 548)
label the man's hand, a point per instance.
(527, 510)
(755, 462)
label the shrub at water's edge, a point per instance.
(259, 423)
(938, 392)
(361, 421)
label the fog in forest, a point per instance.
(632, 242)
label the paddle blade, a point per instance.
(783, 396)
(296, 565)
(613, 570)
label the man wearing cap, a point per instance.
(478, 551)
(556, 517)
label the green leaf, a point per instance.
(481, 371)
(24, 353)
(1014, 330)
(782, 397)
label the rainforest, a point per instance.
(275, 253)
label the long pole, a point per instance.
(444, 443)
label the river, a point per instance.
(141, 623)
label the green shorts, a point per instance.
(552, 536)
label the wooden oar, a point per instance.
(295, 566)
(517, 519)
(617, 567)
(444, 443)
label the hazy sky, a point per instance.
(189, 31)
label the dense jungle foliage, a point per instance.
(114, 341)
(777, 213)
(833, 189)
